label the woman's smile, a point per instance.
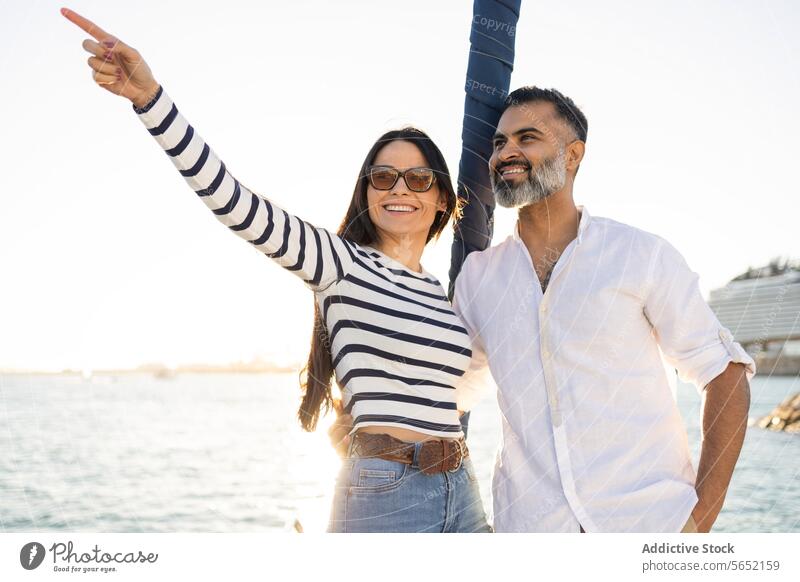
(400, 208)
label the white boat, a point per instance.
(761, 307)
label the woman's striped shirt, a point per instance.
(398, 348)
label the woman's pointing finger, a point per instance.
(85, 24)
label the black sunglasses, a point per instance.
(385, 177)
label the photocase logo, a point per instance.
(31, 555)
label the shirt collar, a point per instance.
(584, 222)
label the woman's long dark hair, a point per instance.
(357, 227)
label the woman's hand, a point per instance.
(117, 67)
(339, 431)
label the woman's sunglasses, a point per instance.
(385, 177)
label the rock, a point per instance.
(785, 417)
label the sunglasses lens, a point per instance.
(419, 179)
(382, 178)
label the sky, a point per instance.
(108, 259)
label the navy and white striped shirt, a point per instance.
(398, 348)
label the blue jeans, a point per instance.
(376, 495)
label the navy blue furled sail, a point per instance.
(491, 60)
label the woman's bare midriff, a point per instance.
(404, 434)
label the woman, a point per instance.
(384, 325)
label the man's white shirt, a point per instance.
(592, 434)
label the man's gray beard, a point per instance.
(543, 181)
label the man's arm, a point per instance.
(477, 380)
(491, 60)
(726, 401)
(704, 353)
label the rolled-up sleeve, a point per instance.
(690, 336)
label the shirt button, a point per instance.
(546, 353)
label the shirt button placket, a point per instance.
(550, 385)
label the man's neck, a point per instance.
(546, 229)
(552, 222)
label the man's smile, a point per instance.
(512, 170)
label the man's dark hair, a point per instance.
(565, 106)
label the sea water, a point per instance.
(224, 453)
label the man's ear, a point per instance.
(574, 154)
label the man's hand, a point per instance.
(338, 432)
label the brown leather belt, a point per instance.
(434, 456)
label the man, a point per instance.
(570, 313)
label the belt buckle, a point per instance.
(460, 456)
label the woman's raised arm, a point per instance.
(314, 254)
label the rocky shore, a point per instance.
(785, 417)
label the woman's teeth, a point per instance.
(399, 208)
